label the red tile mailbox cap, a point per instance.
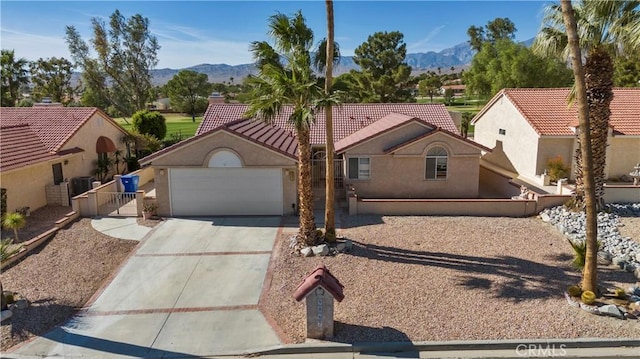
(319, 277)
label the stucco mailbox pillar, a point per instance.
(320, 288)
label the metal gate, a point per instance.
(117, 204)
(319, 171)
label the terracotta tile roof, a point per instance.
(347, 118)
(385, 124)
(21, 147)
(53, 125)
(319, 277)
(269, 136)
(430, 133)
(548, 113)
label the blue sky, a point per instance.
(195, 32)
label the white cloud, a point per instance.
(425, 44)
(33, 46)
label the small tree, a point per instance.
(466, 123)
(14, 221)
(150, 123)
(448, 96)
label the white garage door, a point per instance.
(225, 191)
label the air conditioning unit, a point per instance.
(81, 184)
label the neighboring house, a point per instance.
(458, 90)
(234, 165)
(49, 153)
(402, 156)
(528, 127)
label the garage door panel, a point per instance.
(226, 191)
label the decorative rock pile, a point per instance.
(624, 311)
(614, 248)
(325, 249)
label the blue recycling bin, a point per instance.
(130, 182)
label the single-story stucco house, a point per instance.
(238, 166)
(48, 153)
(527, 127)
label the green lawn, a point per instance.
(176, 124)
(460, 105)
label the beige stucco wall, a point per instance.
(390, 139)
(550, 147)
(198, 153)
(86, 137)
(624, 154)
(433, 207)
(520, 143)
(402, 174)
(26, 186)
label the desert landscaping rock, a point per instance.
(612, 311)
(625, 252)
(321, 250)
(604, 258)
(5, 315)
(306, 252)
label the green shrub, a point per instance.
(580, 253)
(7, 248)
(557, 169)
(574, 291)
(150, 123)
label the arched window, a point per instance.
(436, 164)
(225, 159)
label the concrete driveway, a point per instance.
(191, 289)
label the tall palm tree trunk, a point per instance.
(590, 272)
(307, 233)
(329, 211)
(599, 84)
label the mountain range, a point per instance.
(458, 56)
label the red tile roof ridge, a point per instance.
(14, 126)
(319, 277)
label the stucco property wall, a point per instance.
(519, 143)
(402, 174)
(550, 147)
(624, 154)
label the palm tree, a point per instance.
(329, 211)
(606, 29)
(289, 83)
(590, 271)
(14, 221)
(14, 75)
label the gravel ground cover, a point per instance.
(59, 278)
(447, 278)
(38, 222)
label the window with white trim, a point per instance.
(359, 168)
(436, 164)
